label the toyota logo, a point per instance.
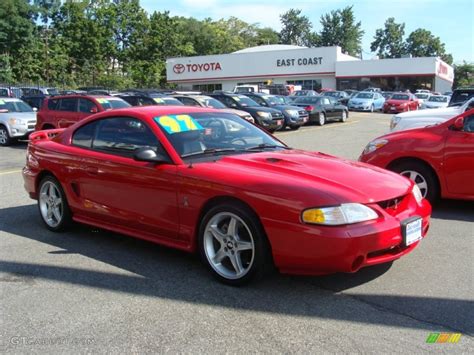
(178, 68)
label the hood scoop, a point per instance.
(273, 160)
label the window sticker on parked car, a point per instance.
(158, 100)
(2, 102)
(103, 101)
(178, 123)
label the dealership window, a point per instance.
(207, 87)
(307, 84)
(392, 83)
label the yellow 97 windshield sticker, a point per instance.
(178, 123)
(158, 100)
(103, 101)
(2, 102)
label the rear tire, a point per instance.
(344, 115)
(5, 139)
(321, 119)
(422, 175)
(233, 245)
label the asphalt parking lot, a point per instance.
(93, 290)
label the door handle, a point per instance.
(92, 170)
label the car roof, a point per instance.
(77, 96)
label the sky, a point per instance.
(451, 20)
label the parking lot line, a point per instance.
(5, 172)
(317, 128)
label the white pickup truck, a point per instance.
(423, 118)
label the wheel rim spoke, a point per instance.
(216, 233)
(56, 213)
(236, 263)
(232, 229)
(243, 245)
(221, 254)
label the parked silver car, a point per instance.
(17, 120)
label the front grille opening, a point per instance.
(393, 203)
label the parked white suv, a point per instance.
(17, 120)
(423, 118)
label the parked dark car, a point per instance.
(295, 116)
(35, 101)
(351, 92)
(38, 90)
(268, 118)
(136, 99)
(341, 96)
(461, 95)
(323, 108)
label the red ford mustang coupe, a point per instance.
(199, 179)
(401, 102)
(438, 158)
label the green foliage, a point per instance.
(463, 75)
(340, 29)
(422, 43)
(296, 29)
(388, 41)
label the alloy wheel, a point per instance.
(418, 179)
(3, 136)
(229, 245)
(322, 119)
(51, 204)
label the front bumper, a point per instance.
(317, 250)
(20, 132)
(359, 107)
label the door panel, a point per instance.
(459, 159)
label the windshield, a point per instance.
(300, 93)
(172, 101)
(307, 100)
(244, 101)
(52, 91)
(400, 97)
(272, 100)
(210, 134)
(211, 102)
(331, 93)
(109, 104)
(364, 95)
(422, 96)
(15, 106)
(438, 99)
(280, 100)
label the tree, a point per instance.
(422, 43)
(340, 29)
(266, 35)
(388, 41)
(296, 29)
(463, 75)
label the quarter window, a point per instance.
(84, 135)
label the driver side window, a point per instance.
(469, 124)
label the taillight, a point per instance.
(309, 108)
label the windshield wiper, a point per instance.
(265, 146)
(209, 151)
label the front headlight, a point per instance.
(374, 145)
(292, 113)
(15, 122)
(394, 121)
(417, 194)
(347, 213)
(264, 114)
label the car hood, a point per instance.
(235, 112)
(20, 115)
(260, 108)
(446, 112)
(361, 100)
(302, 174)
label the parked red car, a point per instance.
(401, 102)
(63, 111)
(440, 159)
(201, 179)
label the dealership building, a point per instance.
(311, 68)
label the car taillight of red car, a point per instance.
(309, 108)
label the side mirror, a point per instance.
(459, 124)
(149, 155)
(94, 110)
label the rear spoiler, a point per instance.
(45, 135)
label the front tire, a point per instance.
(344, 116)
(422, 175)
(233, 245)
(5, 139)
(53, 206)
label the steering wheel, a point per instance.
(218, 130)
(235, 140)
